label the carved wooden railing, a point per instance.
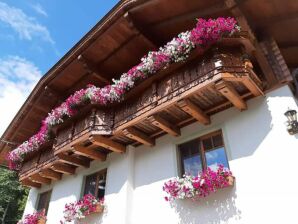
(194, 92)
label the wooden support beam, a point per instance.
(138, 136)
(247, 82)
(228, 91)
(89, 152)
(72, 160)
(30, 183)
(195, 111)
(243, 21)
(39, 179)
(107, 143)
(63, 168)
(139, 30)
(252, 86)
(91, 67)
(51, 174)
(165, 125)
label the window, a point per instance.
(203, 152)
(44, 201)
(95, 184)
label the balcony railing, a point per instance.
(192, 93)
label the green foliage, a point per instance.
(13, 197)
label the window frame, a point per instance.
(202, 150)
(97, 173)
(48, 198)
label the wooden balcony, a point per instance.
(191, 93)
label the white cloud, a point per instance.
(18, 76)
(39, 9)
(27, 27)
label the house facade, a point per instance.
(222, 104)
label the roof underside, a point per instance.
(129, 31)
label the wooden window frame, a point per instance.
(202, 150)
(48, 198)
(98, 173)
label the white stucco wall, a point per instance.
(262, 156)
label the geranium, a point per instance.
(196, 187)
(80, 209)
(206, 33)
(33, 218)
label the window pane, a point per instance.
(207, 143)
(217, 141)
(44, 201)
(190, 157)
(90, 185)
(101, 186)
(215, 157)
(192, 165)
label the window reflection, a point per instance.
(215, 157)
(192, 165)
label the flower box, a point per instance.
(196, 187)
(41, 221)
(80, 209)
(231, 180)
(99, 208)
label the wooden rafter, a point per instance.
(165, 125)
(63, 168)
(89, 152)
(228, 91)
(139, 30)
(92, 68)
(72, 160)
(107, 143)
(29, 183)
(139, 136)
(39, 179)
(195, 111)
(51, 174)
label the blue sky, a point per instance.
(34, 35)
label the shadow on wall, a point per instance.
(247, 131)
(215, 209)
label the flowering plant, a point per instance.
(196, 187)
(206, 33)
(34, 218)
(80, 209)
